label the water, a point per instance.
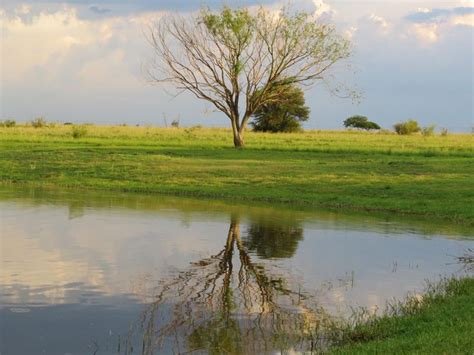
(108, 273)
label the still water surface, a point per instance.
(104, 273)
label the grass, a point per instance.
(416, 175)
(440, 322)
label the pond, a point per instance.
(108, 273)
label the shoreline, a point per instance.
(297, 204)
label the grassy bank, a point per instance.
(417, 175)
(440, 322)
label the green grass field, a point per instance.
(430, 176)
(442, 323)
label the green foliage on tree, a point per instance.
(284, 116)
(241, 61)
(271, 240)
(407, 127)
(360, 122)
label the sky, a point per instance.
(81, 61)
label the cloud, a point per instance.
(125, 7)
(350, 32)
(23, 10)
(466, 20)
(429, 25)
(427, 33)
(108, 71)
(380, 21)
(437, 15)
(99, 10)
(59, 48)
(322, 8)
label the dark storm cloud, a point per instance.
(435, 15)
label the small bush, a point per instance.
(175, 123)
(38, 122)
(68, 123)
(428, 130)
(79, 131)
(407, 127)
(8, 123)
(444, 132)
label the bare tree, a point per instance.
(239, 60)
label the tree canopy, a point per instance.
(286, 116)
(360, 122)
(241, 60)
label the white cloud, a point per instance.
(46, 38)
(350, 32)
(429, 25)
(380, 21)
(466, 20)
(50, 48)
(322, 8)
(107, 71)
(426, 33)
(23, 10)
(423, 10)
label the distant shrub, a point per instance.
(68, 123)
(175, 123)
(8, 123)
(38, 122)
(360, 122)
(444, 132)
(407, 127)
(79, 131)
(428, 130)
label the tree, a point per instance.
(360, 122)
(407, 127)
(240, 61)
(285, 116)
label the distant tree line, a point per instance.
(286, 116)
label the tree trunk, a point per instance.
(238, 135)
(238, 140)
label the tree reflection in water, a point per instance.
(272, 240)
(228, 304)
